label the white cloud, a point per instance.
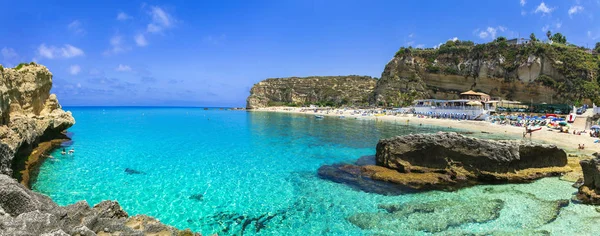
(411, 35)
(545, 28)
(9, 57)
(410, 43)
(454, 39)
(9, 53)
(76, 27)
(116, 46)
(558, 25)
(544, 9)
(122, 67)
(574, 10)
(122, 16)
(140, 40)
(420, 46)
(523, 2)
(160, 20)
(74, 69)
(51, 52)
(490, 32)
(523, 12)
(78, 85)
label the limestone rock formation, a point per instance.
(589, 192)
(443, 151)
(327, 90)
(448, 161)
(29, 114)
(25, 213)
(535, 72)
(532, 72)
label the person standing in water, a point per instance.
(63, 151)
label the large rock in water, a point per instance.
(443, 151)
(448, 161)
(28, 113)
(25, 213)
(589, 192)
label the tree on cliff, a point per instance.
(597, 48)
(559, 38)
(549, 34)
(532, 37)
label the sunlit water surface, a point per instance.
(228, 172)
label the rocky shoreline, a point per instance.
(24, 213)
(37, 157)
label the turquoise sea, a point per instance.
(237, 172)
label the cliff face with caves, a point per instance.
(29, 114)
(535, 72)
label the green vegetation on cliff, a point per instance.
(578, 69)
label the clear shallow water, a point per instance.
(261, 168)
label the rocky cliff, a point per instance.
(29, 114)
(324, 90)
(535, 72)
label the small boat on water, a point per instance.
(319, 116)
(342, 117)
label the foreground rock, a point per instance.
(589, 192)
(29, 114)
(448, 161)
(25, 213)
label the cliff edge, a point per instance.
(533, 72)
(29, 114)
(318, 90)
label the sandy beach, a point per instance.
(567, 141)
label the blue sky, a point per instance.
(210, 53)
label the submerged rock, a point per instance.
(133, 172)
(24, 213)
(198, 197)
(448, 161)
(430, 217)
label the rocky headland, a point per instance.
(32, 123)
(537, 72)
(448, 161)
(322, 90)
(29, 116)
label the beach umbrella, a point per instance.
(595, 126)
(562, 123)
(474, 103)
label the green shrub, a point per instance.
(20, 66)
(432, 69)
